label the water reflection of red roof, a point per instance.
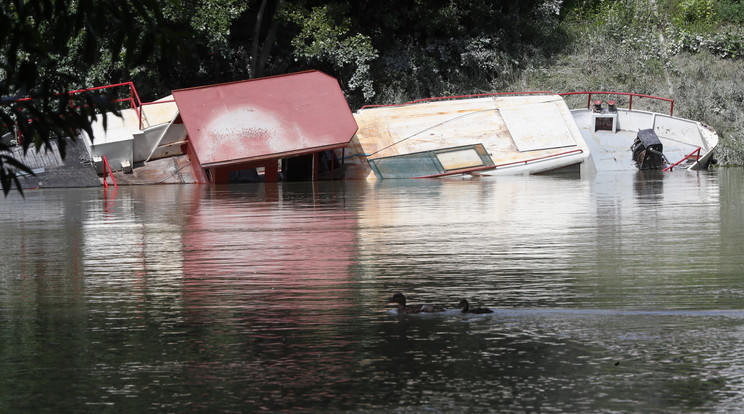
(250, 257)
(265, 118)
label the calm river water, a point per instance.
(615, 293)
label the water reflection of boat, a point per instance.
(270, 248)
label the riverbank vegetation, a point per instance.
(384, 51)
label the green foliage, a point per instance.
(701, 26)
(473, 46)
(730, 11)
(214, 18)
(708, 89)
(695, 12)
(613, 14)
(723, 45)
(324, 38)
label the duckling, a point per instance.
(400, 299)
(466, 308)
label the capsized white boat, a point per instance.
(532, 133)
(485, 135)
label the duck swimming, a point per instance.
(400, 299)
(466, 308)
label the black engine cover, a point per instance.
(648, 150)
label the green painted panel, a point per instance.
(406, 166)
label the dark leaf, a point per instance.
(62, 147)
(90, 49)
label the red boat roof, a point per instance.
(265, 118)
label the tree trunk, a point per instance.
(253, 64)
(260, 51)
(268, 42)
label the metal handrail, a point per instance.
(106, 166)
(441, 98)
(696, 153)
(543, 158)
(463, 171)
(134, 100)
(631, 94)
(588, 93)
(510, 164)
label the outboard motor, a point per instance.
(648, 151)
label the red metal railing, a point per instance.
(510, 164)
(525, 162)
(107, 167)
(631, 95)
(588, 93)
(463, 171)
(132, 94)
(442, 98)
(133, 99)
(695, 153)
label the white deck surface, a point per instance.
(537, 127)
(611, 151)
